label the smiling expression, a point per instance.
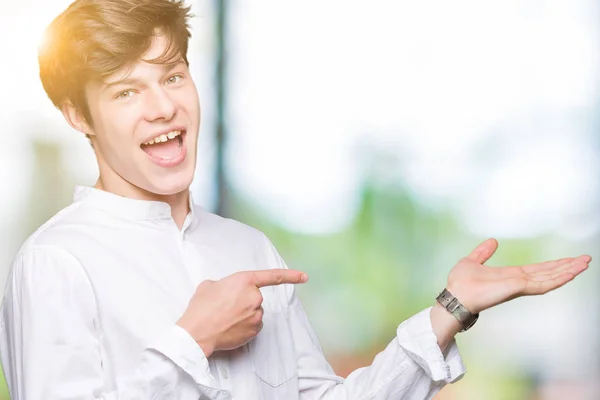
(144, 130)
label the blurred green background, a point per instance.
(375, 144)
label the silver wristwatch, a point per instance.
(454, 307)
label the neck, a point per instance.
(179, 202)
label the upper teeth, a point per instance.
(164, 137)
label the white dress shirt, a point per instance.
(93, 296)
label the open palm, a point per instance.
(480, 287)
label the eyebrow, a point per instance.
(166, 68)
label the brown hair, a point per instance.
(92, 39)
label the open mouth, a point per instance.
(165, 147)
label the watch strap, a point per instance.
(454, 307)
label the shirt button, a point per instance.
(224, 373)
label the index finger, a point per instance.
(278, 276)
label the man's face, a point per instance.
(145, 127)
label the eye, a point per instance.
(124, 94)
(174, 79)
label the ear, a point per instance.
(76, 120)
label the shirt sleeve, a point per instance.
(50, 348)
(411, 367)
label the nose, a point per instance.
(159, 105)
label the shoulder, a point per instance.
(44, 265)
(60, 229)
(46, 286)
(44, 257)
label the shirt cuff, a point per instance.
(179, 347)
(416, 337)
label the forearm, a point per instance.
(445, 325)
(412, 367)
(168, 370)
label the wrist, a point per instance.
(444, 325)
(207, 348)
(206, 345)
(453, 305)
(464, 297)
(445, 319)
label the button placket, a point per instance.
(224, 372)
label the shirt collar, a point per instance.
(126, 207)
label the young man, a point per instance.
(134, 292)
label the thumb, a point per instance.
(484, 251)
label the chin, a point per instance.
(171, 187)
